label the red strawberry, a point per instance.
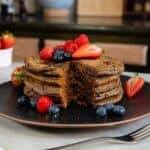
(82, 39)
(0, 44)
(70, 46)
(7, 41)
(133, 85)
(87, 51)
(46, 53)
(59, 47)
(43, 103)
(17, 77)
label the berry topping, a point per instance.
(133, 85)
(23, 100)
(58, 56)
(33, 102)
(17, 77)
(54, 109)
(109, 107)
(46, 53)
(79, 48)
(70, 46)
(82, 39)
(43, 104)
(119, 110)
(101, 111)
(87, 51)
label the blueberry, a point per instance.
(33, 102)
(67, 55)
(109, 107)
(54, 109)
(23, 100)
(55, 116)
(119, 110)
(101, 111)
(58, 56)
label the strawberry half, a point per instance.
(87, 51)
(17, 77)
(46, 53)
(133, 85)
(7, 41)
(0, 45)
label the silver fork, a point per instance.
(132, 137)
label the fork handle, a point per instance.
(81, 142)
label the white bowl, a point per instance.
(6, 57)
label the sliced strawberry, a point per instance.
(87, 51)
(7, 41)
(17, 77)
(46, 53)
(44, 102)
(82, 39)
(133, 85)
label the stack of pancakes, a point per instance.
(88, 81)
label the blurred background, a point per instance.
(120, 27)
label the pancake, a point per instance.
(111, 99)
(32, 77)
(36, 65)
(108, 86)
(36, 90)
(106, 79)
(107, 94)
(104, 65)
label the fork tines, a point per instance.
(141, 133)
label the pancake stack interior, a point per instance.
(88, 81)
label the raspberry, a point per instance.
(43, 104)
(59, 47)
(82, 39)
(46, 53)
(70, 46)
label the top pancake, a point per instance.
(104, 65)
